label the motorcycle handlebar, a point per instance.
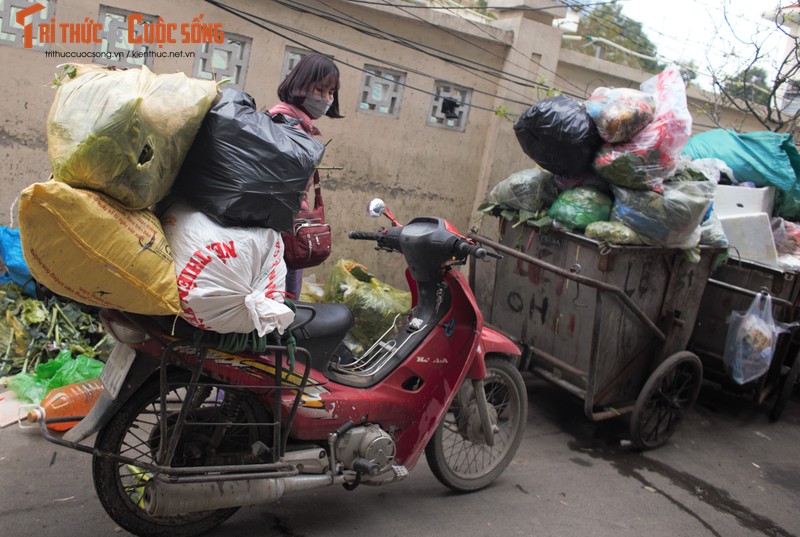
(461, 248)
(464, 248)
(363, 235)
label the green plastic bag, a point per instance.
(374, 304)
(526, 190)
(62, 370)
(580, 206)
(613, 233)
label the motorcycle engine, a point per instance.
(369, 442)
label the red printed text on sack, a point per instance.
(186, 279)
(223, 250)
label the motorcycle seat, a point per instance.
(324, 332)
(319, 328)
(327, 320)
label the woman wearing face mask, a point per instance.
(309, 92)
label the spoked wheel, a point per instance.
(135, 432)
(787, 386)
(457, 453)
(669, 393)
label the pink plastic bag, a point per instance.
(651, 156)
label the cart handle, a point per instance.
(749, 292)
(576, 278)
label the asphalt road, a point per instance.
(728, 472)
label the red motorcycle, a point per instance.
(193, 424)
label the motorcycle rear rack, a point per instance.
(280, 435)
(209, 473)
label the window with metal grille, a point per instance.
(229, 60)
(290, 59)
(115, 48)
(449, 106)
(12, 34)
(381, 91)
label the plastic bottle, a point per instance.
(72, 400)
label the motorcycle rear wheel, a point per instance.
(134, 433)
(457, 453)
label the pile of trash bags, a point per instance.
(167, 197)
(623, 167)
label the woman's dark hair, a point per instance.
(310, 70)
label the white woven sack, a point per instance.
(230, 279)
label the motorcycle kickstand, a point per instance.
(489, 430)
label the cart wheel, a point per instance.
(786, 390)
(668, 394)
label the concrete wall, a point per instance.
(415, 168)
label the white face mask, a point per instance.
(316, 106)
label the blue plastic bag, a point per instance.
(16, 269)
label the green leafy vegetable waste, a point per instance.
(33, 332)
(515, 216)
(374, 304)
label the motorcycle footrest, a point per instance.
(400, 472)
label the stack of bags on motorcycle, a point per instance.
(611, 167)
(167, 197)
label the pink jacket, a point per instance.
(289, 110)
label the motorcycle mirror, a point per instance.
(376, 208)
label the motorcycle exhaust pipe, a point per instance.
(164, 499)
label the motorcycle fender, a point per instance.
(106, 406)
(490, 342)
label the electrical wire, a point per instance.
(608, 25)
(566, 80)
(475, 8)
(497, 55)
(257, 21)
(414, 45)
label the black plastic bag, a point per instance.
(559, 135)
(247, 168)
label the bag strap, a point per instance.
(317, 191)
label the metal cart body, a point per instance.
(732, 287)
(598, 320)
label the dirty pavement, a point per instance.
(728, 472)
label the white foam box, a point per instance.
(751, 236)
(739, 200)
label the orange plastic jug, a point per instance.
(72, 400)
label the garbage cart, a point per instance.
(609, 324)
(731, 288)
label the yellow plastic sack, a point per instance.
(85, 246)
(124, 133)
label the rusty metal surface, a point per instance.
(732, 288)
(598, 318)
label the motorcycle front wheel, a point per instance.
(135, 433)
(458, 454)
